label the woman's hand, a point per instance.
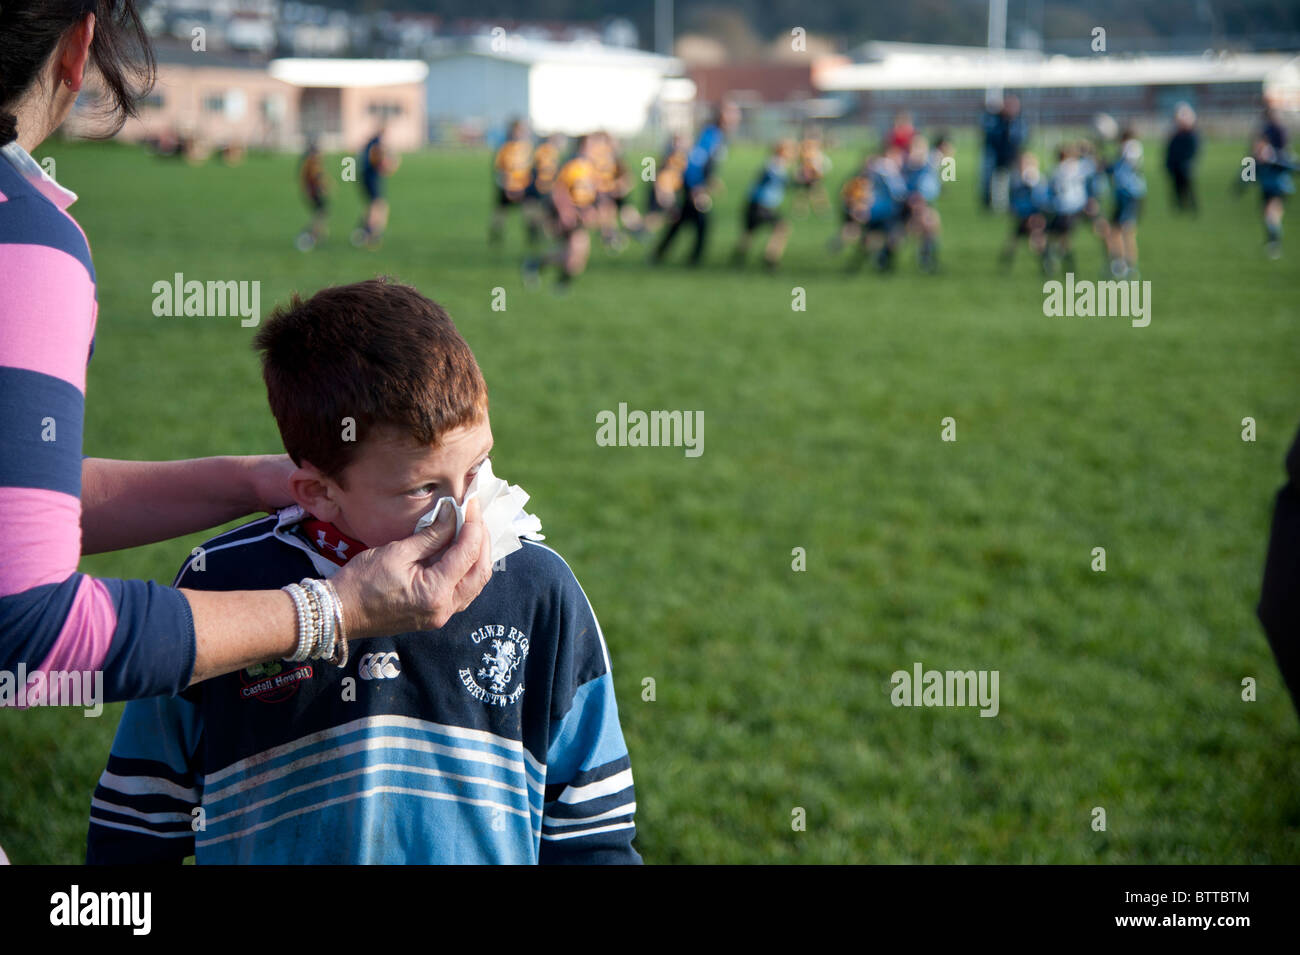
(268, 477)
(417, 583)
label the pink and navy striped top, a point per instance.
(52, 618)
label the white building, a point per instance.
(945, 84)
(570, 88)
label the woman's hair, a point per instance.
(120, 53)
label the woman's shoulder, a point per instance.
(36, 234)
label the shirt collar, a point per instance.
(31, 170)
(286, 530)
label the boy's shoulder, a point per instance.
(537, 572)
(256, 555)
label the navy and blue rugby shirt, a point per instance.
(494, 739)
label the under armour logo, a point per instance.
(340, 548)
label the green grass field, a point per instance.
(1119, 689)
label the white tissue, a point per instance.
(502, 507)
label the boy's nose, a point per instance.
(457, 490)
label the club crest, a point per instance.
(496, 677)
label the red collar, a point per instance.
(332, 543)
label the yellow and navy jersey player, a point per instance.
(512, 171)
(810, 168)
(546, 164)
(537, 197)
(573, 208)
(577, 186)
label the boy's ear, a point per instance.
(314, 492)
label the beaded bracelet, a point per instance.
(306, 631)
(340, 656)
(329, 619)
(320, 622)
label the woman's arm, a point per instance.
(383, 590)
(129, 503)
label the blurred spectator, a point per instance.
(1180, 156)
(1004, 136)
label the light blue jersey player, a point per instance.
(1068, 191)
(923, 183)
(1030, 204)
(888, 200)
(1130, 188)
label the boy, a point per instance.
(1028, 201)
(810, 174)
(494, 739)
(855, 203)
(699, 182)
(377, 164)
(311, 175)
(572, 210)
(888, 199)
(613, 185)
(921, 175)
(1130, 188)
(666, 186)
(764, 208)
(1274, 167)
(546, 164)
(512, 171)
(1068, 191)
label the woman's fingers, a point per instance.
(420, 582)
(430, 543)
(472, 584)
(461, 572)
(269, 478)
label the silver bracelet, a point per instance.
(340, 657)
(325, 648)
(303, 612)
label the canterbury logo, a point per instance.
(379, 666)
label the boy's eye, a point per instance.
(423, 491)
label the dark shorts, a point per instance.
(504, 199)
(757, 215)
(316, 199)
(373, 186)
(1061, 222)
(882, 224)
(1024, 226)
(556, 227)
(1126, 211)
